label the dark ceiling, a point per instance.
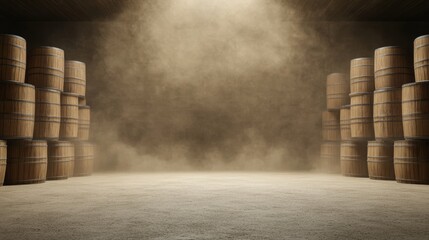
(311, 10)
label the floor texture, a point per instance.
(215, 206)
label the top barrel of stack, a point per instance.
(361, 75)
(421, 58)
(75, 78)
(13, 57)
(392, 68)
(337, 91)
(46, 68)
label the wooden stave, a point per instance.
(3, 161)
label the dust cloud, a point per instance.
(208, 85)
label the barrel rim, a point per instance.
(391, 46)
(84, 106)
(17, 83)
(76, 61)
(380, 141)
(360, 94)
(361, 58)
(422, 36)
(336, 73)
(70, 94)
(50, 47)
(59, 141)
(347, 106)
(415, 83)
(48, 90)
(354, 142)
(387, 89)
(13, 35)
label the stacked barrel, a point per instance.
(411, 156)
(337, 90)
(39, 114)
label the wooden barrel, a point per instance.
(26, 161)
(46, 68)
(411, 159)
(380, 160)
(331, 126)
(75, 77)
(388, 114)
(84, 158)
(415, 110)
(353, 159)
(337, 90)
(3, 157)
(361, 75)
(13, 57)
(60, 160)
(421, 58)
(330, 156)
(16, 110)
(392, 67)
(84, 122)
(69, 116)
(345, 123)
(48, 114)
(361, 121)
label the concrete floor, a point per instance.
(215, 206)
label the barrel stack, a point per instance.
(411, 156)
(39, 114)
(337, 90)
(354, 147)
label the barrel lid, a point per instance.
(362, 58)
(12, 35)
(423, 36)
(85, 106)
(353, 142)
(48, 90)
(387, 89)
(16, 83)
(50, 47)
(378, 141)
(58, 142)
(381, 48)
(75, 61)
(70, 94)
(360, 93)
(416, 83)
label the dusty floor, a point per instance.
(215, 206)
